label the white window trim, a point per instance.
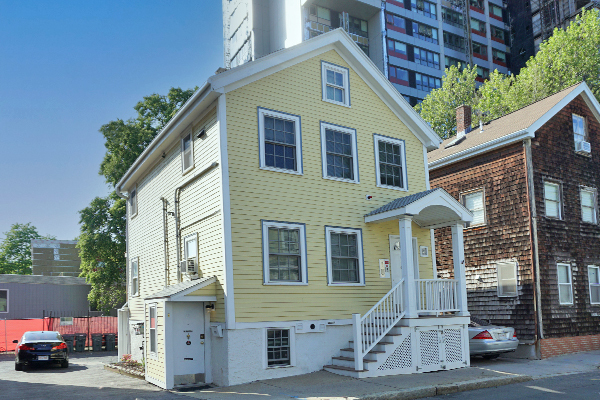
(135, 260)
(152, 354)
(462, 201)
(292, 348)
(560, 200)
(585, 133)
(594, 192)
(590, 283)
(351, 132)
(380, 138)
(133, 202)
(516, 293)
(7, 301)
(361, 268)
(187, 238)
(265, 243)
(189, 132)
(262, 112)
(342, 70)
(570, 284)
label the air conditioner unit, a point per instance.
(583, 147)
(189, 266)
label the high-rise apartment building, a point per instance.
(410, 41)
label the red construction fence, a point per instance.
(13, 329)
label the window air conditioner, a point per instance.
(189, 266)
(583, 147)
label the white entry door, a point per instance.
(189, 338)
(395, 266)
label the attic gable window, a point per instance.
(133, 203)
(336, 84)
(579, 128)
(187, 152)
(280, 147)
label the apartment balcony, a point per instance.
(314, 28)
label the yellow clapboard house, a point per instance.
(282, 223)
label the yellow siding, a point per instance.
(197, 201)
(257, 194)
(210, 290)
(155, 368)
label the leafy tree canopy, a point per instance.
(15, 249)
(102, 240)
(566, 58)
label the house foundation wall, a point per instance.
(567, 345)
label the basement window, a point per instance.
(278, 347)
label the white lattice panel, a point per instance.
(400, 358)
(429, 347)
(453, 345)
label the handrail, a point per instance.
(437, 295)
(376, 323)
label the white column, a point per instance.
(458, 255)
(357, 336)
(408, 272)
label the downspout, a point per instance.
(537, 302)
(176, 212)
(165, 239)
(126, 348)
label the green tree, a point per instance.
(15, 249)
(101, 242)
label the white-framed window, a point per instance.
(152, 337)
(339, 153)
(594, 283)
(190, 246)
(345, 264)
(4, 301)
(187, 151)
(507, 279)
(279, 347)
(589, 205)
(579, 128)
(280, 136)
(336, 84)
(565, 283)
(284, 253)
(474, 201)
(133, 207)
(135, 279)
(552, 200)
(390, 163)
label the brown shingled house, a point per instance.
(532, 253)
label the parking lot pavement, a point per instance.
(85, 378)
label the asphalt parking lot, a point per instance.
(85, 378)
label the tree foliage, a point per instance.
(15, 249)
(568, 57)
(101, 242)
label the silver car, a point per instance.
(490, 341)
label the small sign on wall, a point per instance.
(384, 268)
(424, 251)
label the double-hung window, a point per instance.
(339, 153)
(190, 250)
(280, 141)
(475, 202)
(594, 283)
(507, 279)
(579, 128)
(152, 330)
(565, 284)
(390, 163)
(135, 280)
(336, 84)
(284, 253)
(552, 200)
(344, 256)
(187, 151)
(279, 347)
(4, 301)
(589, 205)
(133, 207)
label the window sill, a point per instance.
(279, 366)
(553, 218)
(187, 170)
(133, 296)
(475, 226)
(285, 171)
(337, 103)
(584, 154)
(566, 304)
(334, 284)
(332, 178)
(392, 187)
(285, 283)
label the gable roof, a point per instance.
(182, 288)
(237, 77)
(510, 128)
(401, 202)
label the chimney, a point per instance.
(463, 120)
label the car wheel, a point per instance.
(64, 364)
(491, 356)
(18, 367)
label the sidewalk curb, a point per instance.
(430, 391)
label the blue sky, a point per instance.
(67, 68)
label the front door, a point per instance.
(189, 337)
(395, 266)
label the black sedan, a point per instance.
(41, 347)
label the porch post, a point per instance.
(458, 255)
(408, 272)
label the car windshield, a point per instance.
(41, 336)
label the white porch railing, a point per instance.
(376, 323)
(437, 295)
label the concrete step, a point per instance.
(347, 362)
(343, 370)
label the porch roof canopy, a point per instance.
(433, 208)
(183, 291)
